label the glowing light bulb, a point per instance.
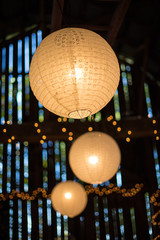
(76, 73)
(93, 160)
(68, 195)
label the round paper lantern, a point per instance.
(69, 198)
(74, 73)
(94, 157)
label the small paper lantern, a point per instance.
(69, 198)
(74, 73)
(94, 157)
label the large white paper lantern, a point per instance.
(94, 157)
(69, 198)
(74, 73)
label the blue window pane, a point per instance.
(33, 43)
(19, 67)
(3, 59)
(39, 36)
(26, 54)
(10, 58)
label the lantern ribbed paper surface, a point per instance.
(69, 198)
(94, 157)
(74, 73)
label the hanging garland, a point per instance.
(40, 192)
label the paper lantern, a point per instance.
(69, 198)
(74, 73)
(94, 157)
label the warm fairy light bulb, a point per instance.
(93, 160)
(68, 195)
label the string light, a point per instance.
(129, 132)
(38, 130)
(154, 222)
(114, 123)
(70, 133)
(59, 119)
(44, 137)
(9, 140)
(70, 138)
(36, 124)
(156, 237)
(13, 138)
(128, 139)
(41, 192)
(118, 129)
(64, 130)
(155, 131)
(41, 141)
(64, 119)
(154, 197)
(157, 138)
(90, 129)
(154, 121)
(4, 130)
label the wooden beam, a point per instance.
(140, 128)
(90, 27)
(57, 11)
(117, 20)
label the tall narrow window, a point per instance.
(17, 166)
(106, 218)
(117, 106)
(3, 80)
(19, 219)
(65, 220)
(114, 217)
(121, 221)
(98, 117)
(156, 162)
(19, 53)
(9, 151)
(1, 167)
(39, 37)
(125, 83)
(49, 215)
(96, 214)
(10, 84)
(26, 167)
(40, 213)
(10, 219)
(119, 178)
(57, 161)
(29, 219)
(19, 99)
(45, 165)
(58, 216)
(26, 54)
(63, 161)
(133, 223)
(148, 100)
(27, 95)
(10, 58)
(10, 98)
(26, 67)
(3, 60)
(148, 209)
(33, 39)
